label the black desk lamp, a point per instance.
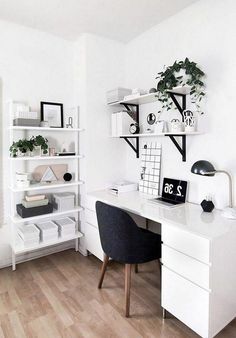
(205, 168)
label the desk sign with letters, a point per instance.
(174, 190)
(173, 193)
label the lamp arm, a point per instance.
(230, 186)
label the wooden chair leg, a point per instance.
(104, 266)
(136, 268)
(127, 288)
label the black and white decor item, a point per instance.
(52, 113)
(150, 168)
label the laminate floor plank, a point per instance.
(57, 297)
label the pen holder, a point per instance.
(207, 206)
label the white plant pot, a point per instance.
(37, 151)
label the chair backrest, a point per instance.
(118, 231)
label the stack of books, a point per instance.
(66, 227)
(29, 234)
(34, 201)
(48, 231)
(34, 206)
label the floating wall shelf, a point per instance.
(132, 107)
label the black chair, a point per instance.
(123, 241)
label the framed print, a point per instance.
(53, 113)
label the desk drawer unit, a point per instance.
(187, 243)
(91, 217)
(93, 242)
(186, 301)
(186, 266)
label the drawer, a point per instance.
(186, 242)
(186, 301)
(186, 266)
(93, 243)
(91, 217)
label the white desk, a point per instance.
(198, 256)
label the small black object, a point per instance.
(65, 153)
(151, 118)
(134, 128)
(207, 206)
(35, 211)
(152, 90)
(67, 177)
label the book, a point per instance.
(34, 198)
(32, 204)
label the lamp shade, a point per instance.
(204, 168)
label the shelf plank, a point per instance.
(159, 134)
(20, 248)
(142, 99)
(152, 97)
(43, 186)
(46, 129)
(44, 158)
(17, 219)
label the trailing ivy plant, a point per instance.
(181, 73)
(25, 145)
(40, 141)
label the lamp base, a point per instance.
(229, 213)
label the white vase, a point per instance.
(37, 151)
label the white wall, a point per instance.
(100, 66)
(34, 67)
(205, 32)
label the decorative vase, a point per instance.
(37, 151)
(175, 126)
(189, 121)
(159, 127)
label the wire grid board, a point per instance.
(150, 168)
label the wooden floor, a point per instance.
(57, 296)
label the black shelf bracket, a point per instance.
(181, 149)
(136, 147)
(133, 111)
(181, 108)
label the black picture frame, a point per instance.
(45, 109)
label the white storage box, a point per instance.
(48, 231)
(121, 122)
(123, 186)
(117, 94)
(29, 234)
(66, 226)
(63, 201)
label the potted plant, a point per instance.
(181, 73)
(22, 147)
(40, 143)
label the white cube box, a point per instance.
(117, 94)
(66, 226)
(29, 232)
(63, 201)
(48, 231)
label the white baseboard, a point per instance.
(41, 253)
